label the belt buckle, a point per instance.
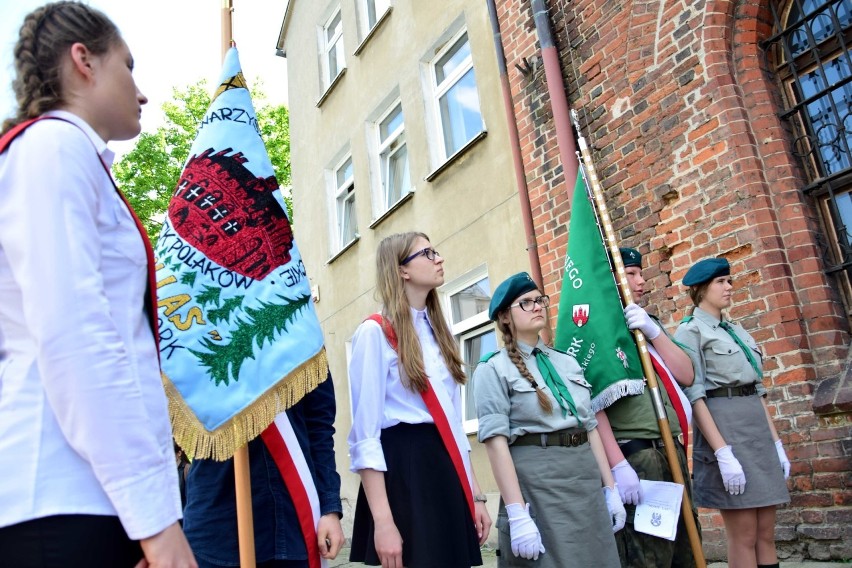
(575, 439)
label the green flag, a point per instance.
(591, 324)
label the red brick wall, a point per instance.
(680, 106)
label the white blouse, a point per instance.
(84, 425)
(380, 399)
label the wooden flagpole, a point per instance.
(599, 204)
(242, 479)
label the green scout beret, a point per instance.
(508, 291)
(705, 270)
(631, 257)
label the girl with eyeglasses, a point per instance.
(739, 463)
(419, 504)
(536, 421)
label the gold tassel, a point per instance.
(220, 444)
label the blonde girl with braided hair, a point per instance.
(85, 442)
(419, 504)
(536, 422)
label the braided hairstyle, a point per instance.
(44, 41)
(515, 357)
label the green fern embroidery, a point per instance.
(188, 278)
(261, 325)
(209, 295)
(223, 313)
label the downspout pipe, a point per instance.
(558, 99)
(517, 157)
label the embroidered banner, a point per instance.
(240, 340)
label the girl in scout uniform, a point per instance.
(738, 461)
(536, 421)
(417, 506)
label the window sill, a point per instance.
(459, 153)
(345, 248)
(372, 31)
(402, 200)
(331, 87)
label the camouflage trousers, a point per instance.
(639, 550)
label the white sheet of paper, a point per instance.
(659, 511)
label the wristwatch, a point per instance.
(481, 498)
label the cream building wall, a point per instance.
(470, 208)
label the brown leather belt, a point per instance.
(570, 438)
(744, 390)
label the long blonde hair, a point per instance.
(395, 307)
(515, 357)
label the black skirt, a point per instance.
(427, 502)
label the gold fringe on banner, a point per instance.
(220, 444)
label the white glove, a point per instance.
(617, 514)
(732, 472)
(782, 457)
(526, 540)
(637, 318)
(627, 482)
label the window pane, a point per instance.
(843, 204)
(335, 26)
(473, 350)
(344, 173)
(390, 123)
(452, 59)
(398, 181)
(471, 301)
(348, 220)
(460, 116)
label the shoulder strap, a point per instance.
(487, 356)
(386, 326)
(687, 319)
(16, 130)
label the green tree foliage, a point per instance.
(149, 173)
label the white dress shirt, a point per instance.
(84, 425)
(379, 397)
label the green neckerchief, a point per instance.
(554, 383)
(745, 348)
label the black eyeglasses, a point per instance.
(428, 252)
(527, 304)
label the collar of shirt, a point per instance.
(705, 317)
(526, 350)
(107, 155)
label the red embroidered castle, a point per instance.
(231, 215)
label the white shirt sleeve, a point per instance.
(368, 375)
(49, 231)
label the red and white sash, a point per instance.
(449, 427)
(281, 441)
(679, 401)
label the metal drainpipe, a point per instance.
(558, 99)
(518, 161)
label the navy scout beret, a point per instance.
(705, 270)
(508, 291)
(630, 257)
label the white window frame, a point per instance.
(339, 194)
(382, 152)
(331, 45)
(379, 8)
(438, 90)
(466, 329)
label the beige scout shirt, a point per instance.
(718, 359)
(507, 404)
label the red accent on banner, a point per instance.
(433, 405)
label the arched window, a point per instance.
(811, 50)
